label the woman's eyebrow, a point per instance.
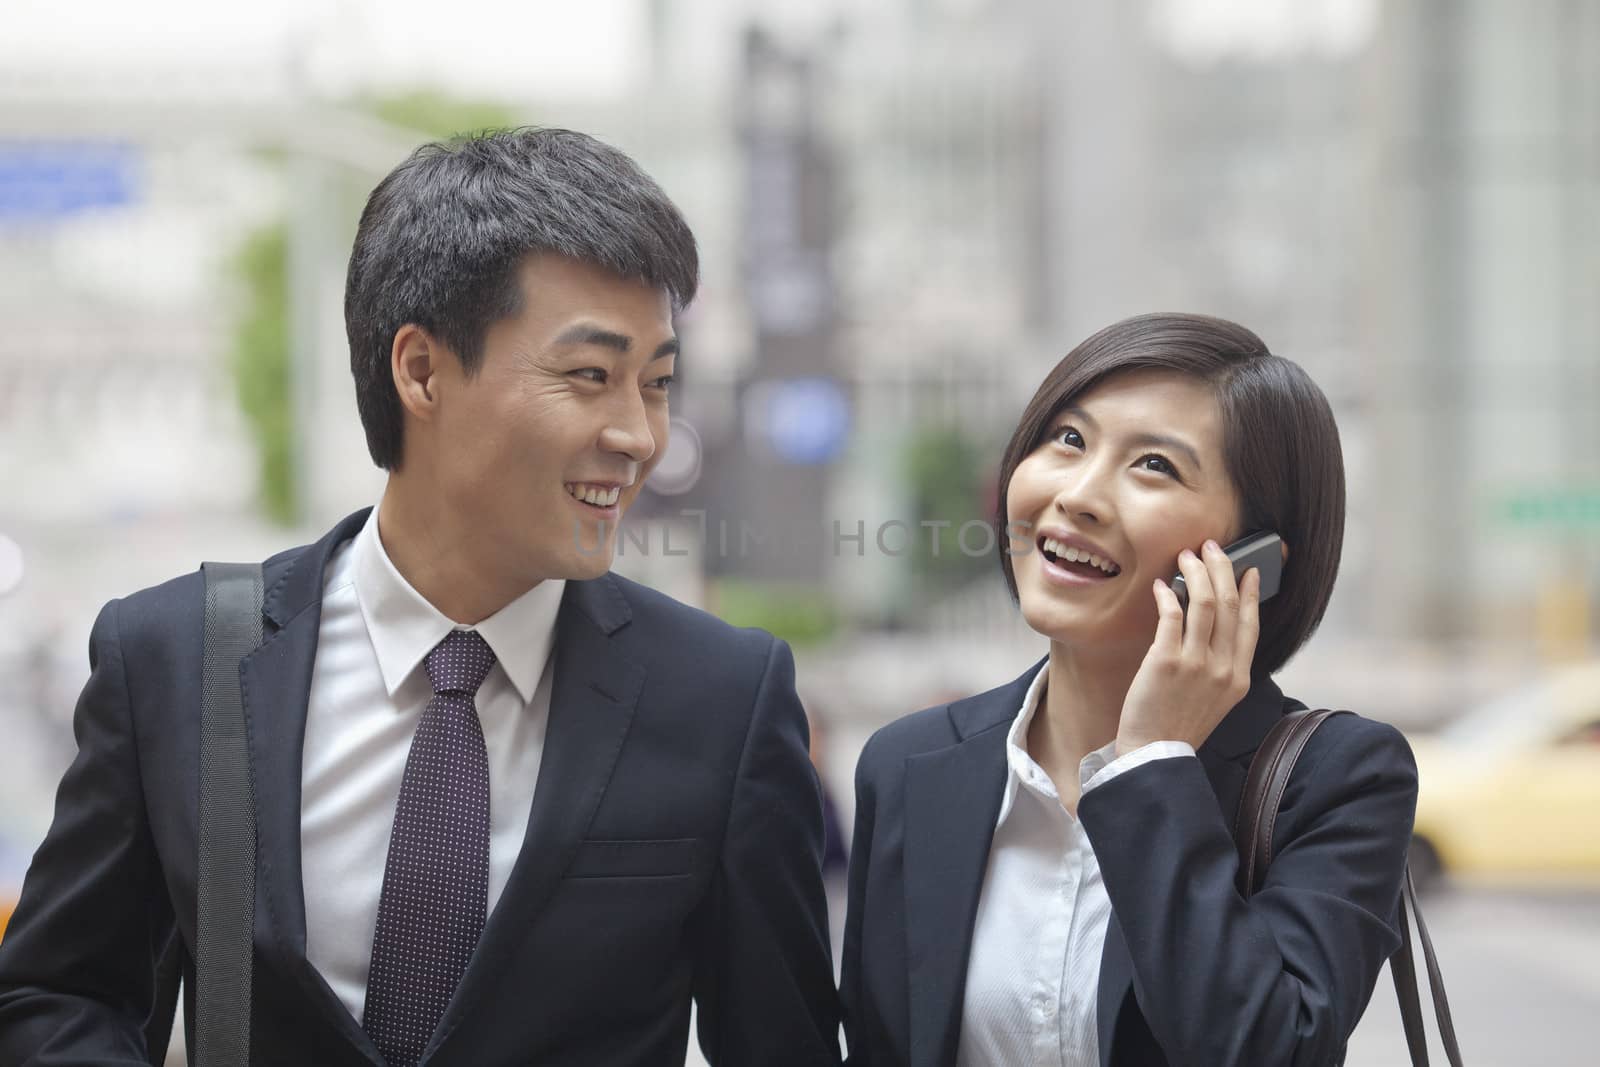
(1141, 440)
(1161, 440)
(1081, 415)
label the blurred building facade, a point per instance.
(1484, 335)
(1396, 195)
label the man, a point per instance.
(509, 808)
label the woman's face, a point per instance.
(1130, 474)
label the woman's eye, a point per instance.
(663, 382)
(1158, 463)
(593, 374)
(1069, 437)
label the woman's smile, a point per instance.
(1074, 561)
(1069, 570)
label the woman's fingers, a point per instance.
(1198, 666)
(1249, 628)
(1202, 612)
(1224, 587)
(1169, 622)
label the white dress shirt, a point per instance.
(368, 692)
(1034, 976)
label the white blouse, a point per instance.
(1034, 976)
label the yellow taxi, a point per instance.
(1511, 791)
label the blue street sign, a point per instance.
(44, 181)
(807, 419)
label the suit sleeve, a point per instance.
(764, 976)
(1283, 977)
(851, 997)
(79, 963)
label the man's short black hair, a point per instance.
(442, 237)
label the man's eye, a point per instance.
(594, 374)
(663, 382)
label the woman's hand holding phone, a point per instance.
(1198, 666)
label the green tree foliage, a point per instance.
(261, 360)
(439, 115)
(799, 614)
(261, 365)
(946, 472)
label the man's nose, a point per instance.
(627, 429)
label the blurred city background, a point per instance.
(908, 211)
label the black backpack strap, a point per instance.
(227, 867)
(1252, 833)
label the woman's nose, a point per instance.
(1083, 495)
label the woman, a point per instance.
(1045, 873)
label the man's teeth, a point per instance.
(595, 495)
(1078, 555)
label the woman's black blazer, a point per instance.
(1193, 975)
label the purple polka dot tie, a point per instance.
(436, 880)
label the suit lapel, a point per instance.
(952, 801)
(275, 682)
(1226, 759)
(594, 691)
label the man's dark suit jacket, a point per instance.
(1192, 975)
(674, 846)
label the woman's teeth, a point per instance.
(599, 496)
(1077, 555)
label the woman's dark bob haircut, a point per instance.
(1279, 441)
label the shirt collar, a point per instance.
(1020, 766)
(1021, 770)
(405, 627)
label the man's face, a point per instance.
(548, 445)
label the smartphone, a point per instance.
(1262, 550)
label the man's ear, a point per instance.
(413, 362)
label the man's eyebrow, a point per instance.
(588, 334)
(1143, 440)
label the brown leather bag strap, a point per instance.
(1403, 969)
(1441, 1003)
(1252, 833)
(1263, 792)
